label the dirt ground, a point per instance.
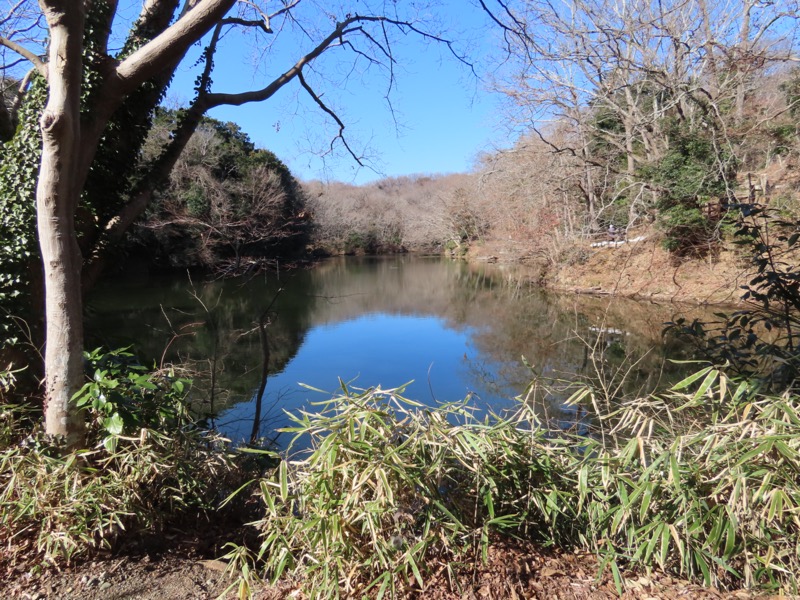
(645, 270)
(636, 269)
(513, 571)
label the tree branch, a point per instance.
(37, 62)
(153, 19)
(21, 89)
(169, 45)
(263, 25)
(338, 33)
(333, 116)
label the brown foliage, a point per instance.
(413, 212)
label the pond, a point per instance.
(448, 330)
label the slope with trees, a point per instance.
(227, 206)
(656, 110)
(418, 213)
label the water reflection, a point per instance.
(452, 328)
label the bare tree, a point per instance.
(416, 212)
(20, 27)
(613, 73)
(238, 219)
(361, 32)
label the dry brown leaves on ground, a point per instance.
(512, 571)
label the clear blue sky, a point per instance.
(443, 114)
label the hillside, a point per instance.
(645, 270)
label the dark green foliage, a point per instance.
(197, 205)
(148, 463)
(234, 151)
(19, 169)
(227, 205)
(694, 172)
(361, 243)
(125, 396)
(688, 230)
(760, 341)
(117, 161)
(7, 120)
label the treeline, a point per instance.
(415, 213)
(635, 114)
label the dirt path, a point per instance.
(513, 571)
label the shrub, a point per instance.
(700, 482)
(145, 463)
(695, 169)
(759, 341)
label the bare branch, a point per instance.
(267, 92)
(283, 10)
(21, 89)
(11, 11)
(37, 62)
(13, 63)
(170, 44)
(333, 116)
(334, 38)
(263, 25)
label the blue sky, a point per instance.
(443, 114)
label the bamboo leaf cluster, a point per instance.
(379, 491)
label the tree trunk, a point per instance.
(56, 199)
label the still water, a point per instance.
(448, 330)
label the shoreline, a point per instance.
(641, 271)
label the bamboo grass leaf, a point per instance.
(700, 561)
(710, 379)
(415, 570)
(283, 478)
(684, 383)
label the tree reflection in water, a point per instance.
(452, 327)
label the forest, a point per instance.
(641, 137)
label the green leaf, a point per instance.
(684, 383)
(114, 424)
(413, 564)
(701, 562)
(707, 383)
(283, 478)
(81, 398)
(110, 443)
(665, 539)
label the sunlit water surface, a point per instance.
(448, 330)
